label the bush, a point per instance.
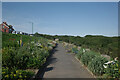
(75, 50)
(79, 54)
(113, 70)
(35, 51)
(96, 65)
(87, 57)
(8, 55)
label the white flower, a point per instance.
(83, 50)
(116, 58)
(109, 62)
(104, 66)
(38, 44)
(32, 42)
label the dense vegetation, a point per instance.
(102, 44)
(20, 53)
(101, 66)
(92, 51)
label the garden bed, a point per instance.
(23, 55)
(101, 66)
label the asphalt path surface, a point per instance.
(64, 65)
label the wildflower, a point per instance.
(16, 71)
(116, 59)
(83, 50)
(7, 76)
(109, 62)
(104, 66)
(25, 76)
(20, 73)
(20, 76)
(117, 65)
(3, 72)
(41, 46)
(11, 75)
(46, 48)
(11, 72)
(14, 75)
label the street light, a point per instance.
(32, 26)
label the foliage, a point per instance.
(16, 74)
(87, 57)
(113, 70)
(27, 56)
(96, 65)
(32, 54)
(98, 43)
(75, 50)
(80, 53)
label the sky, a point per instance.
(63, 18)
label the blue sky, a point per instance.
(63, 18)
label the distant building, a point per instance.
(4, 27)
(19, 32)
(14, 32)
(10, 28)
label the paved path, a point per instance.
(64, 65)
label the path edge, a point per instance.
(85, 67)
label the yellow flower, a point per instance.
(20, 73)
(20, 76)
(16, 71)
(3, 72)
(11, 72)
(7, 76)
(117, 65)
(14, 75)
(41, 46)
(25, 76)
(46, 48)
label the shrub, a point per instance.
(87, 57)
(8, 55)
(96, 65)
(79, 54)
(113, 70)
(75, 50)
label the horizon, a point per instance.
(75, 35)
(63, 18)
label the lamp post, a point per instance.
(32, 26)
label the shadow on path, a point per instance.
(44, 68)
